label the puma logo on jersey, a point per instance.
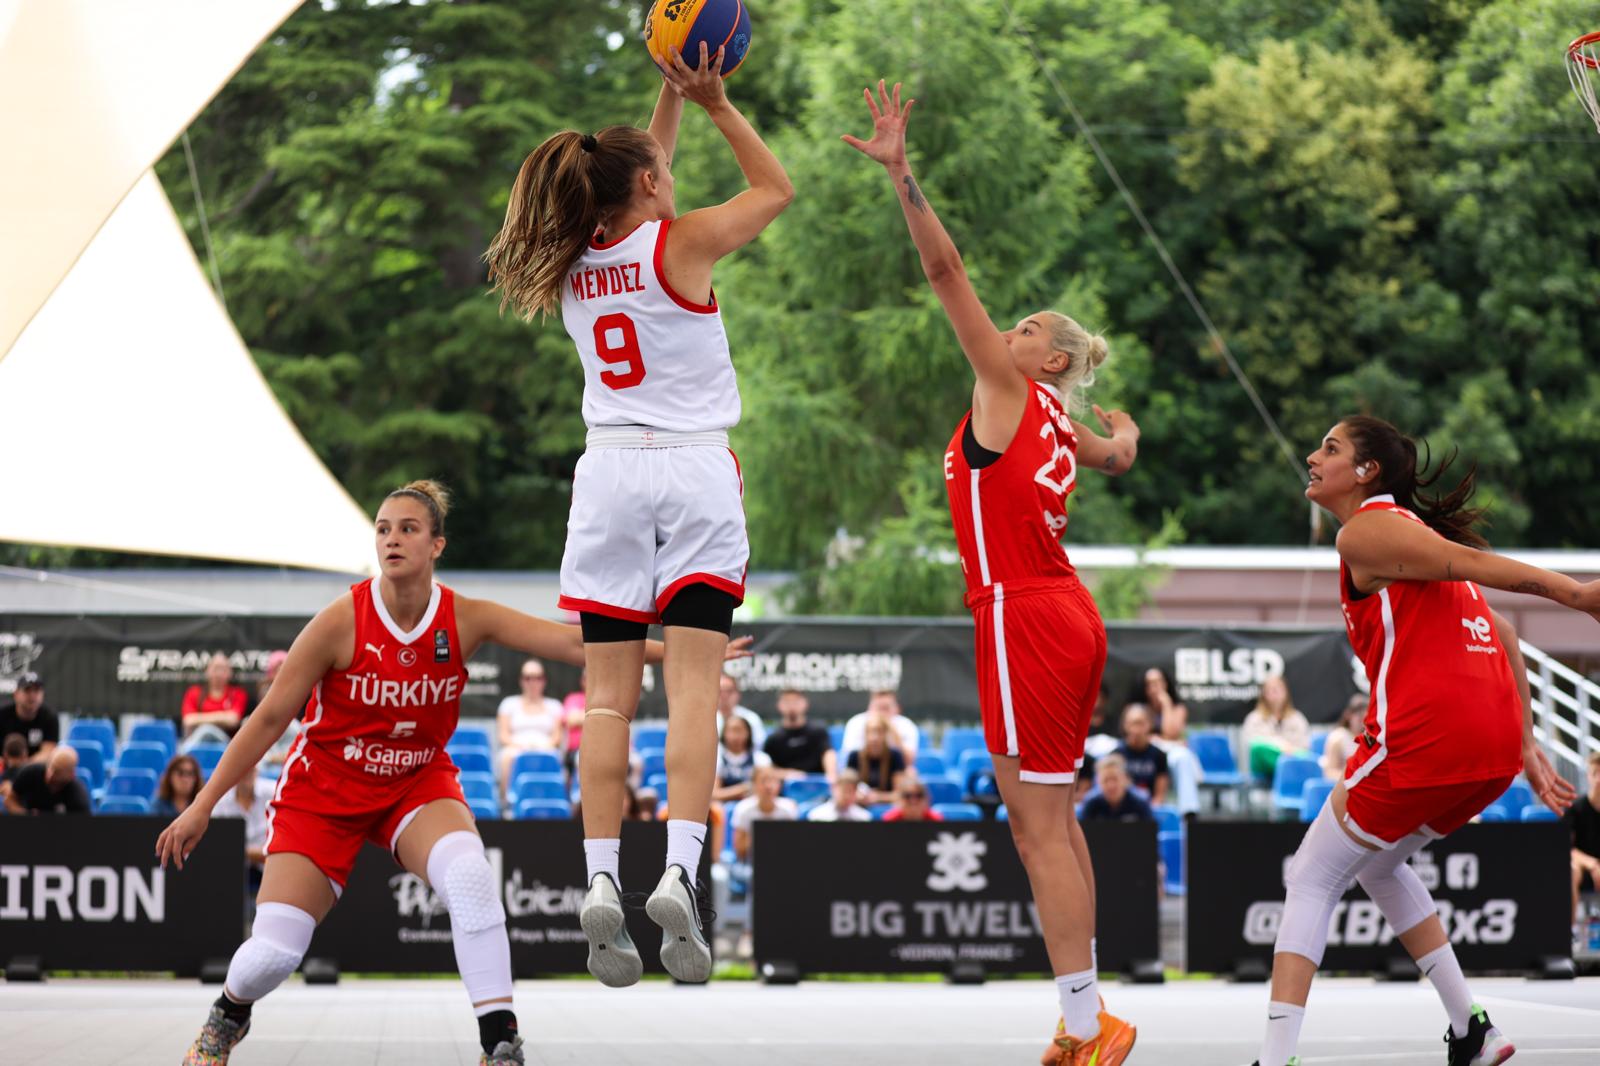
(377, 649)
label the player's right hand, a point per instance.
(699, 85)
(1589, 599)
(889, 121)
(1553, 790)
(179, 839)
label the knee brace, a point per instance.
(1395, 887)
(1317, 876)
(699, 606)
(459, 872)
(278, 941)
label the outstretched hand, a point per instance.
(179, 838)
(1114, 422)
(1553, 790)
(738, 648)
(889, 120)
(701, 84)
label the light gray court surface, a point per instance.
(1192, 1023)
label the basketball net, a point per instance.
(1583, 70)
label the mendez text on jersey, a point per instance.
(596, 282)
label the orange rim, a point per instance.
(1576, 52)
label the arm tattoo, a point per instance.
(1535, 588)
(914, 194)
(1110, 464)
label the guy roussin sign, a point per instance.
(921, 897)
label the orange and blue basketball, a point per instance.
(684, 24)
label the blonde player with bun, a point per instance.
(378, 674)
(1041, 646)
(656, 531)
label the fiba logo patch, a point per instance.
(407, 656)
(957, 863)
(741, 41)
(353, 749)
(441, 645)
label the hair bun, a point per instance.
(1098, 350)
(589, 142)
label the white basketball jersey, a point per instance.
(650, 356)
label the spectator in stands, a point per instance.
(28, 715)
(1274, 729)
(249, 800)
(798, 747)
(728, 703)
(269, 673)
(1116, 801)
(217, 702)
(50, 787)
(1145, 763)
(279, 751)
(1157, 693)
(911, 802)
(13, 757)
(529, 720)
(885, 703)
(878, 762)
(641, 805)
(1342, 739)
(766, 804)
(571, 735)
(1583, 820)
(1083, 782)
(736, 761)
(842, 807)
(1182, 763)
(180, 784)
(1099, 742)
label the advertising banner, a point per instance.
(901, 898)
(85, 893)
(1502, 890)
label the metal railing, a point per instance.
(1566, 711)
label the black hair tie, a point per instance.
(589, 143)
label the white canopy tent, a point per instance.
(131, 396)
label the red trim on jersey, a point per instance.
(661, 276)
(596, 242)
(734, 589)
(738, 471)
(569, 603)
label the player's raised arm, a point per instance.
(998, 378)
(1114, 454)
(664, 121)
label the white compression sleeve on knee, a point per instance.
(278, 941)
(1318, 875)
(459, 872)
(1395, 887)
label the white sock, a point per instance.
(1283, 1033)
(603, 856)
(1080, 1004)
(1094, 955)
(685, 839)
(1444, 970)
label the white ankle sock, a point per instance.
(1283, 1033)
(1444, 970)
(603, 856)
(685, 839)
(1080, 1004)
(1094, 955)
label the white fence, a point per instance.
(1566, 711)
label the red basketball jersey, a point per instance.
(392, 710)
(1444, 703)
(1009, 515)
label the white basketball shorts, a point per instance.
(652, 512)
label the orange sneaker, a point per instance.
(1110, 1048)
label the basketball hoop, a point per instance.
(1583, 70)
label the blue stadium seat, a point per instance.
(539, 786)
(1001, 814)
(91, 765)
(1319, 743)
(143, 757)
(470, 736)
(207, 755)
(1170, 846)
(931, 765)
(1517, 797)
(543, 809)
(1168, 820)
(657, 781)
(478, 786)
(959, 812)
(943, 791)
(959, 739)
(836, 737)
(1289, 780)
(970, 763)
(1495, 812)
(1538, 812)
(806, 790)
(140, 783)
(1313, 795)
(535, 762)
(100, 730)
(653, 763)
(124, 805)
(161, 731)
(1215, 753)
(473, 761)
(878, 810)
(649, 736)
(484, 810)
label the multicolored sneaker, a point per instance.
(1484, 1045)
(1109, 1048)
(217, 1040)
(506, 1053)
(613, 959)
(676, 909)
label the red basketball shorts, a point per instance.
(1041, 649)
(326, 816)
(1383, 813)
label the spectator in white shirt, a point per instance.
(249, 800)
(843, 806)
(728, 703)
(737, 762)
(529, 720)
(1342, 740)
(767, 804)
(886, 704)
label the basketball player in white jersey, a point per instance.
(656, 532)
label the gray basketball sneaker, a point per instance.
(675, 908)
(613, 959)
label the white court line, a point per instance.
(1411, 1056)
(1557, 1008)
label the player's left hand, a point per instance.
(1115, 422)
(1553, 790)
(738, 648)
